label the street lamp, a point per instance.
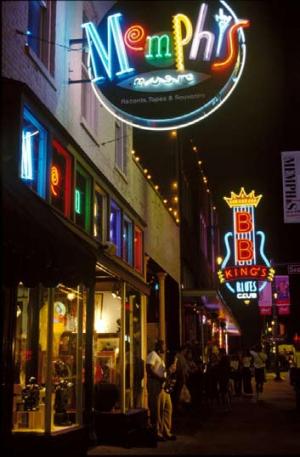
(276, 335)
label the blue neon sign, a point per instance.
(156, 68)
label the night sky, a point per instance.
(240, 143)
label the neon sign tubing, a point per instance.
(26, 165)
(186, 123)
(228, 249)
(223, 23)
(113, 29)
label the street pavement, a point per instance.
(269, 426)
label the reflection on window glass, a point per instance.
(33, 154)
(127, 248)
(67, 367)
(138, 249)
(82, 199)
(107, 374)
(60, 179)
(115, 226)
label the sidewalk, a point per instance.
(270, 426)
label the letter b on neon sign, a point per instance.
(244, 250)
(243, 222)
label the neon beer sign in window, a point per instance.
(165, 65)
(245, 269)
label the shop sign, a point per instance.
(294, 269)
(291, 186)
(282, 289)
(165, 65)
(245, 270)
(265, 299)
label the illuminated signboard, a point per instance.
(245, 269)
(165, 65)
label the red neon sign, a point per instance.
(257, 272)
(244, 250)
(243, 222)
(55, 180)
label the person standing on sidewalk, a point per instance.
(259, 361)
(246, 372)
(156, 375)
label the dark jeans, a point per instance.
(154, 388)
(247, 385)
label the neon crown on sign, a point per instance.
(243, 199)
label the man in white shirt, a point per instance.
(159, 399)
(259, 361)
(156, 374)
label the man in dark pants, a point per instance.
(156, 373)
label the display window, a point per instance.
(48, 358)
(61, 179)
(107, 365)
(100, 206)
(127, 238)
(82, 199)
(115, 226)
(138, 249)
(33, 154)
(134, 365)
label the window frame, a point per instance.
(69, 158)
(98, 189)
(141, 232)
(43, 44)
(113, 203)
(88, 197)
(129, 243)
(121, 156)
(42, 153)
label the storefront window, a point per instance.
(99, 213)
(61, 179)
(30, 355)
(138, 249)
(48, 358)
(107, 369)
(33, 154)
(115, 226)
(134, 365)
(82, 199)
(127, 248)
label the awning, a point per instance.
(37, 246)
(213, 301)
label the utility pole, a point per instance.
(276, 336)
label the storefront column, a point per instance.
(89, 375)
(49, 397)
(79, 361)
(122, 349)
(162, 306)
(144, 348)
(146, 260)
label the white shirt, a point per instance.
(259, 359)
(157, 363)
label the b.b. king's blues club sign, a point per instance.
(164, 65)
(245, 269)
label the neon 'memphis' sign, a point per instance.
(199, 51)
(244, 246)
